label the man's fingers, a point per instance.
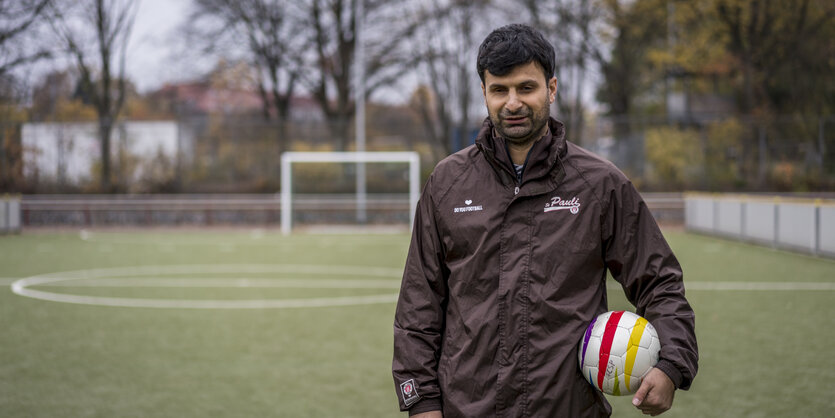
(641, 394)
(655, 395)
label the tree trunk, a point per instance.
(105, 131)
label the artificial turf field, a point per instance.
(300, 326)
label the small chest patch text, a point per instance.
(556, 203)
(409, 392)
(468, 208)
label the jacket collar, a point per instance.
(543, 158)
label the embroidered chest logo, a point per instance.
(468, 208)
(556, 203)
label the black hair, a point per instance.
(513, 45)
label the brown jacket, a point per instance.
(503, 277)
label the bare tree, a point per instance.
(95, 33)
(19, 21)
(267, 29)
(308, 44)
(571, 26)
(446, 48)
(611, 37)
(332, 42)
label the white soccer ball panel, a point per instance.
(607, 385)
(620, 342)
(654, 350)
(646, 339)
(592, 351)
(634, 384)
(614, 367)
(622, 388)
(590, 373)
(649, 336)
(655, 344)
(600, 324)
(628, 319)
(643, 362)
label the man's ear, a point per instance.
(483, 90)
(552, 89)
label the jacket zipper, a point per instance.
(500, 168)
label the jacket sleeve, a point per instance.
(419, 317)
(639, 257)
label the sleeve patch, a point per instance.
(409, 392)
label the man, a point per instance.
(507, 265)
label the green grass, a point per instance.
(763, 353)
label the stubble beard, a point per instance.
(518, 135)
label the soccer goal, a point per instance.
(288, 159)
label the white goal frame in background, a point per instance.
(288, 158)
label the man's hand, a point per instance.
(430, 414)
(655, 394)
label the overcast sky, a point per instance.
(153, 47)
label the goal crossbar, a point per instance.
(289, 158)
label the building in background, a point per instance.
(67, 153)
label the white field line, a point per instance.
(24, 287)
(265, 283)
(386, 278)
(226, 269)
(209, 304)
(748, 286)
(175, 282)
(759, 286)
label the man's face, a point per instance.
(519, 102)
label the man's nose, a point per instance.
(513, 104)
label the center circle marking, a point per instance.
(380, 277)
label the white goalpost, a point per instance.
(289, 158)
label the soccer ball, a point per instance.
(618, 349)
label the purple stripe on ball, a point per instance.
(586, 341)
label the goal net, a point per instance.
(311, 194)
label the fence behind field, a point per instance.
(783, 153)
(718, 152)
(9, 214)
(799, 224)
(84, 211)
(203, 210)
